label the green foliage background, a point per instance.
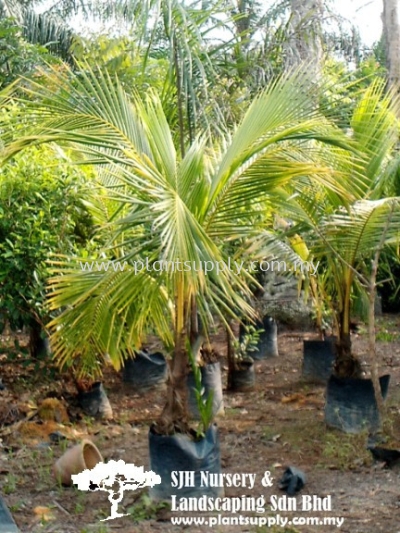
(41, 214)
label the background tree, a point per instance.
(17, 56)
(305, 43)
(391, 35)
(48, 29)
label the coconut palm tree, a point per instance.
(181, 210)
(344, 237)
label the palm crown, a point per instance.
(344, 235)
(168, 207)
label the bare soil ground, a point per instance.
(281, 423)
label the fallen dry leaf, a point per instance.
(43, 513)
(297, 397)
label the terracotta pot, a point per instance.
(80, 457)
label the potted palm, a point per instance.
(354, 404)
(175, 214)
(347, 235)
(241, 374)
(358, 233)
(343, 234)
(319, 355)
(266, 343)
(354, 238)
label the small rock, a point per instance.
(56, 437)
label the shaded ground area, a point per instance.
(279, 424)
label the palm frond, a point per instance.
(164, 207)
(358, 231)
(375, 128)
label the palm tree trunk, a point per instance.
(230, 357)
(343, 347)
(305, 42)
(344, 338)
(174, 416)
(346, 365)
(391, 34)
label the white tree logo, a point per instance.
(115, 477)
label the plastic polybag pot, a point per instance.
(95, 402)
(350, 404)
(75, 460)
(172, 454)
(43, 348)
(267, 345)
(243, 377)
(389, 456)
(7, 524)
(211, 381)
(145, 370)
(319, 358)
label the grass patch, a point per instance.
(328, 448)
(145, 509)
(345, 451)
(10, 484)
(303, 436)
(387, 336)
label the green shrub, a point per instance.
(41, 214)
